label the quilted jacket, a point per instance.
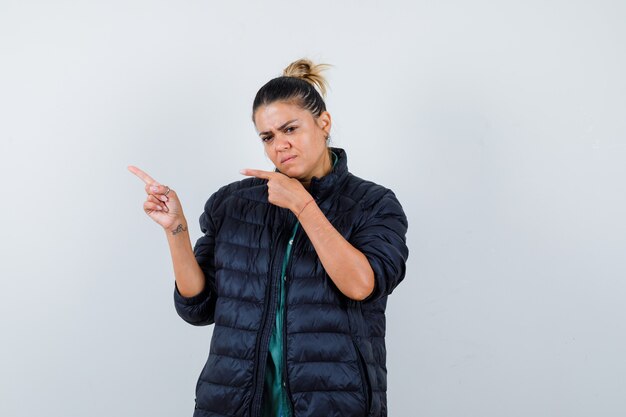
(334, 346)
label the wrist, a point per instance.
(177, 228)
(303, 207)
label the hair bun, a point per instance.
(309, 72)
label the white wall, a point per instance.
(500, 125)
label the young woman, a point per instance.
(294, 269)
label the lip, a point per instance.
(287, 159)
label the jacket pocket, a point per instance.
(366, 387)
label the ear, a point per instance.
(324, 121)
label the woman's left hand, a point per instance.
(282, 190)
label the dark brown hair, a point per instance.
(299, 84)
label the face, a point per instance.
(294, 139)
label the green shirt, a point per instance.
(276, 402)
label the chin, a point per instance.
(291, 172)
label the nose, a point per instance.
(281, 142)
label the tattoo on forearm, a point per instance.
(179, 229)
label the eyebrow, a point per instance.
(280, 128)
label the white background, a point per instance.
(501, 126)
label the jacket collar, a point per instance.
(321, 188)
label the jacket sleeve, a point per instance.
(199, 310)
(382, 239)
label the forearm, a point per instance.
(189, 277)
(348, 268)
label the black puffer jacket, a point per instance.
(335, 347)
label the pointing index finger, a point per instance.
(142, 175)
(266, 175)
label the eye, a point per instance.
(290, 129)
(266, 139)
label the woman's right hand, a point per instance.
(162, 203)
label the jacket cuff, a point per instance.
(190, 301)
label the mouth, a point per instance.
(287, 159)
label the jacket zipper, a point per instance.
(284, 329)
(266, 332)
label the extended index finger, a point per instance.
(142, 175)
(266, 175)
